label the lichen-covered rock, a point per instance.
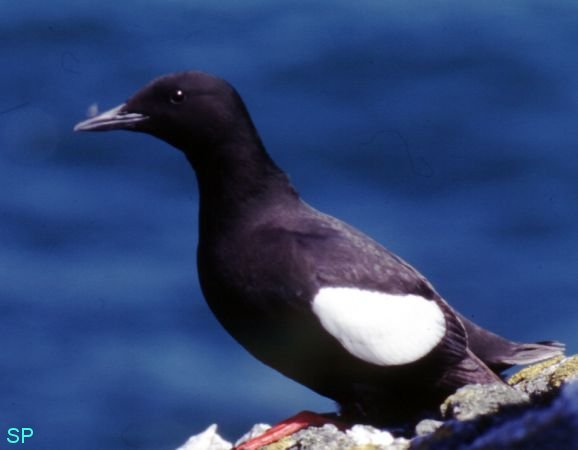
(539, 411)
(329, 437)
(545, 378)
(450, 436)
(544, 425)
(553, 427)
(550, 427)
(476, 400)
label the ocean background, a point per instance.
(447, 130)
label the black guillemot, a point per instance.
(302, 291)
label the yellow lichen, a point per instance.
(568, 369)
(281, 444)
(532, 371)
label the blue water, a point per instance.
(446, 130)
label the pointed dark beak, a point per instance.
(114, 119)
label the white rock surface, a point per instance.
(257, 430)
(366, 435)
(207, 440)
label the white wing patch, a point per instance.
(380, 328)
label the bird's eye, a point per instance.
(177, 96)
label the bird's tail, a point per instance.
(531, 353)
(499, 353)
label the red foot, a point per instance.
(286, 428)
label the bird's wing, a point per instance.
(379, 308)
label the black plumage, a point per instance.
(264, 255)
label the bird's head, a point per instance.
(192, 111)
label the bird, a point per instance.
(302, 291)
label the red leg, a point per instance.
(304, 419)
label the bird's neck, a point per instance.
(233, 188)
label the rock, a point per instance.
(427, 426)
(207, 440)
(368, 435)
(327, 437)
(476, 400)
(256, 430)
(450, 436)
(358, 437)
(545, 378)
(538, 410)
(551, 428)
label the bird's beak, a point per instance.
(113, 119)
